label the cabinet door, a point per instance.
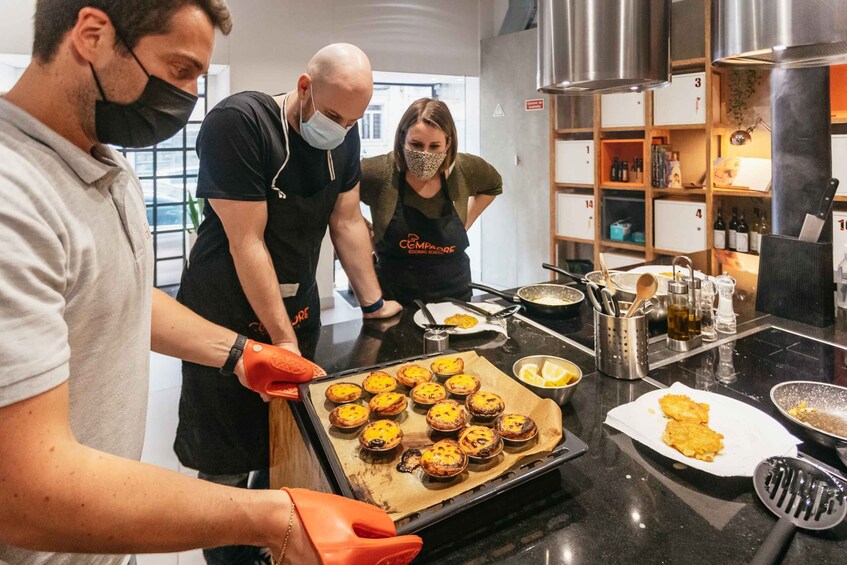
(839, 237)
(683, 102)
(622, 110)
(839, 163)
(575, 161)
(680, 226)
(575, 215)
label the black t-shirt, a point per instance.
(241, 147)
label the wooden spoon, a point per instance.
(645, 289)
(606, 275)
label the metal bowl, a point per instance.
(561, 395)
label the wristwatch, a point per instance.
(234, 355)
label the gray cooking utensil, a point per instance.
(813, 224)
(610, 303)
(593, 292)
(489, 316)
(801, 495)
(433, 324)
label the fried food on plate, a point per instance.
(464, 321)
(681, 407)
(693, 439)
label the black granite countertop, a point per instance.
(621, 502)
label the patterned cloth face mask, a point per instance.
(423, 164)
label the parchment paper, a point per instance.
(375, 479)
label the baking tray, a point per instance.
(570, 448)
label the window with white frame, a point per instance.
(371, 125)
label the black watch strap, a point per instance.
(234, 355)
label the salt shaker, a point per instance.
(725, 322)
(707, 311)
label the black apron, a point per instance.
(421, 257)
(223, 427)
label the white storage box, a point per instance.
(622, 110)
(575, 216)
(683, 102)
(621, 259)
(839, 162)
(575, 161)
(679, 226)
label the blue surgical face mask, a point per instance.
(321, 132)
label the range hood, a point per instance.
(785, 33)
(602, 46)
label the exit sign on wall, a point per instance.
(534, 104)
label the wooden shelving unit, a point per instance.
(699, 144)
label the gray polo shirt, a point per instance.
(75, 290)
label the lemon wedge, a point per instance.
(529, 374)
(554, 374)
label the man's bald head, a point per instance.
(340, 80)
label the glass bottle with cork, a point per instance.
(732, 232)
(754, 232)
(720, 231)
(742, 236)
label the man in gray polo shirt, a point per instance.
(76, 303)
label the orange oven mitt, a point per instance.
(275, 371)
(349, 532)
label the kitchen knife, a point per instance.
(813, 224)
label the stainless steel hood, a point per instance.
(601, 46)
(786, 33)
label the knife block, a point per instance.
(795, 280)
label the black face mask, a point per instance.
(158, 114)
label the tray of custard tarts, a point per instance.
(424, 438)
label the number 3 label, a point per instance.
(698, 82)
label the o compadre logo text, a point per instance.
(414, 246)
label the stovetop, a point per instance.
(578, 328)
(747, 368)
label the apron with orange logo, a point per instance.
(424, 258)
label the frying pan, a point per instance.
(528, 296)
(561, 271)
(830, 405)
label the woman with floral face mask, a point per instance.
(424, 196)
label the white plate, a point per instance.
(443, 310)
(750, 435)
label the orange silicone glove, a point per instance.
(275, 371)
(348, 532)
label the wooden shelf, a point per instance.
(634, 186)
(688, 64)
(678, 191)
(840, 198)
(742, 193)
(624, 128)
(680, 127)
(561, 131)
(623, 245)
(674, 253)
(573, 239)
(574, 185)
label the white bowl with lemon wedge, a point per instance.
(548, 376)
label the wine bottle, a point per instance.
(742, 238)
(733, 230)
(754, 232)
(720, 231)
(624, 177)
(615, 172)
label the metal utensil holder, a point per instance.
(620, 346)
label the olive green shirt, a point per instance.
(380, 184)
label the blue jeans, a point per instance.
(238, 554)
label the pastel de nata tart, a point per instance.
(428, 393)
(485, 405)
(381, 435)
(448, 366)
(447, 416)
(444, 460)
(379, 381)
(413, 375)
(516, 427)
(388, 403)
(480, 442)
(344, 392)
(349, 416)
(462, 384)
